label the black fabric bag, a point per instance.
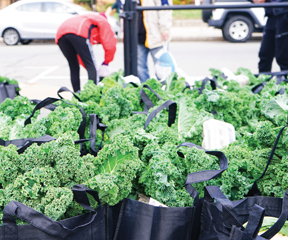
(224, 219)
(8, 91)
(142, 221)
(96, 224)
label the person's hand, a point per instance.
(104, 70)
(259, 1)
(164, 36)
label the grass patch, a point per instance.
(187, 14)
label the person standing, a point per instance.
(75, 37)
(275, 38)
(153, 30)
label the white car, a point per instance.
(26, 20)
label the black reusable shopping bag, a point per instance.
(141, 221)
(224, 219)
(8, 91)
(98, 224)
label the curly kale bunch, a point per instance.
(18, 106)
(116, 167)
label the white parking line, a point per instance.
(43, 74)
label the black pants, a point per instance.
(71, 45)
(274, 43)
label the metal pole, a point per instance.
(134, 38)
(127, 60)
(214, 6)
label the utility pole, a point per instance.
(130, 16)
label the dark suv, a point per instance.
(237, 24)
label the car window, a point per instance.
(53, 7)
(30, 7)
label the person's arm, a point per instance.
(165, 19)
(259, 1)
(106, 37)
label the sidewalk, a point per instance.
(185, 30)
(194, 30)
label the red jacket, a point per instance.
(100, 33)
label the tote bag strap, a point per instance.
(146, 100)
(253, 226)
(95, 124)
(81, 197)
(50, 107)
(65, 89)
(255, 190)
(172, 107)
(48, 101)
(271, 232)
(212, 193)
(255, 222)
(23, 144)
(212, 81)
(206, 174)
(132, 83)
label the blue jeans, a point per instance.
(142, 65)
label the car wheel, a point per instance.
(25, 41)
(238, 29)
(206, 14)
(11, 36)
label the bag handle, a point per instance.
(206, 174)
(272, 73)
(48, 101)
(255, 221)
(255, 190)
(229, 218)
(146, 100)
(65, 89)
(214, 192)
(80, 195)
(258, 88)
(132, 83)
(50, 107)
(271, 232)
(23, 144)
(213, 83)
(172, 107)
(253, 226)
(280, 92)
(94, 125)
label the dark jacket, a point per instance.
(276, 11)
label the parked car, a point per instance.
(237, 24)
(26, 20)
